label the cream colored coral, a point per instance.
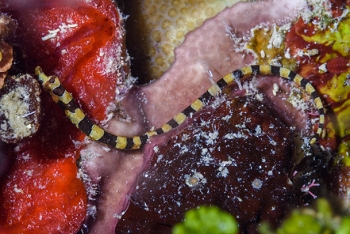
(161, 25)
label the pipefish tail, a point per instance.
(66, 101)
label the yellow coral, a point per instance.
(336, 35)
(269, 52)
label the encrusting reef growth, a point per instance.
(274, 139)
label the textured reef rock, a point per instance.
(19, 94)
(82, 43)
(20, 108)
(207, 54)
(7, 29)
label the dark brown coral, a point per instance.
(19, 95)
(7, 29)
(238, 159)
(6, 56)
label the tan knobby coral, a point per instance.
(157, 27)
(6, 58)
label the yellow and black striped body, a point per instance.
(77, 116)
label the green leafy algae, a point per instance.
(207, 220)
(317, 220)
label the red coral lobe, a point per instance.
(82, 43)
